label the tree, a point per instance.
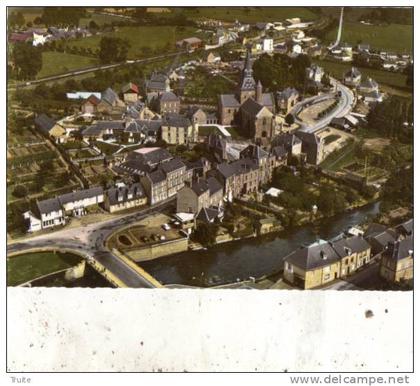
(326, 80)
(290, 119)
(205, 234)
(20, 191)
(16, 19)
(113, 49)
(27, 60)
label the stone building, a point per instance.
(124, 197)
(286, 100)
(397, 262)
(178, 130)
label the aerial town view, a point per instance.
(210, 147)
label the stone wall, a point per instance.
(154, 251)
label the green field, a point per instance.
(392, 37)
(337, 69)
(58, 62)
(153, 37)
(250, 14)
(100, 19)
(29, 266)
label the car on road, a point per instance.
(166, 227)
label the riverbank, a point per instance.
(256, 257)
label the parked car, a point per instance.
(166, 227)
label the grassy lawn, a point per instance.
(250, 14)
(393, 37)
(207, 130)
(57, 62)
(331, 138)
(338, 159)
(25, 267)
(154, 37)
(100, 19)
(393, 79)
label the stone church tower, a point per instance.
(247, 86)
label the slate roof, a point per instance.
(389, 236)
(287, 93)
(288, 140)
(80, 195)
(229, 100)
(267, 99)
(353, 73)
(49, 205)
(254, 151)
(401, 249)
(208, 214)
(44, 123)
(241, 166)
(374, 229)
(172, 165)
(157, 176)
(355, 244)
(279, 151)
(168, 96)
(113, 193)
(315, 256)
(406, 227)
(110, 96)
(251, 107)
(369, 83)
(199, 187)
(214, 185)
(174, 119)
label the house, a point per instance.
(373, 97)
(380, 239)
(405, 229)
(323, 261)
(312, 266)
(297, 49)
(368, 86)
(168, 102)
(101, 129)
(397, 261)
(291, 143)
(145, 160)
(268, 225)
(197, 115)
(362, 47)
(314, 74)
(213, 57)
(223, 37)
(158, 83)
(352, 77)
(130, 92)
(267, 45)
(210, 215)
(90, 105)
(50, 128)
(312, 146)
(266, 161)
(189, 43)
(77, 202)
(238, 178)
(203, 193)
(51, 213)
(109, 101)
(34, 224)
(124, 197)
(166, 180)
(178, 130)
(286, 100)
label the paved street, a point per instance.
(343, 108)
(90, 240)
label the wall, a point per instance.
(158, 250)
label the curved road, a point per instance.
(342, 109)
(90, 240)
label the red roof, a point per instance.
(93, 99)
(130, 87)
(20, 37)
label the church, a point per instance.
(250, 108)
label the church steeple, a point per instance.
(247, 85)
(258, 93)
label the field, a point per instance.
(250, 14)
(58, 62)
(393, 79)
(153, 37)
(25, 267)
(392, 37)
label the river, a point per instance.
(256, 257)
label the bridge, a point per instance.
(89, 243)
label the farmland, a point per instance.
(57, 62)
(391, 37)
(249, 14)
(152, 37)
(393, 79)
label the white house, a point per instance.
(34, 223)
(51, 213)
(297, 49)
(77, 202)
(268, 45)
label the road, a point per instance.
(342, 109)
(95, 68)
(90, 240)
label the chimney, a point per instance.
(259, 92)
